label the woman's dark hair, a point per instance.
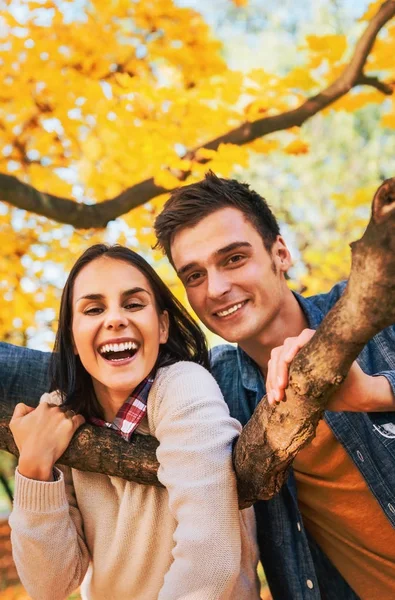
(186, 340)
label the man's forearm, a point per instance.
(380, 396)
(24, 375)
(361, 392)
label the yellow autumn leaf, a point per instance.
(91, 148)
(299, 78)
(331, 46)
(163, 178)
(203, 153)
(371, 10)
(264, 146)
(256, 109)
(389, 120)
(297, 147)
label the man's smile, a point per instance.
(230, 310)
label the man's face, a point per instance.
(233, 283)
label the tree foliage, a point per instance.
(107, 105)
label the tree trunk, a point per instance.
(274, 435)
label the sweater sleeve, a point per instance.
(48, 546)
(196, 436)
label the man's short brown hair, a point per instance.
(190, 204)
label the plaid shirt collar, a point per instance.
(131, 412)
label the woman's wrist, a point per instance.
(33, 470)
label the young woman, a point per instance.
(128, 356)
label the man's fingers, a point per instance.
(278, 366)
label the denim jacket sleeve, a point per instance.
(24, 375)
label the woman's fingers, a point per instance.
(77, 420)
(21, 410)
(43, 434)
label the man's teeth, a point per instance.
(118, 347)
(229, 311)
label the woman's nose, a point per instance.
(116, 320)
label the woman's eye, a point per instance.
(95, 310)
(134, 305)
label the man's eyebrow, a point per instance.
(232, 246)
(130, 292)
(219, 252)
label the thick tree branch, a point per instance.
(84, 216)
(273, 436)
(100, 450)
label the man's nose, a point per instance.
(217, 285)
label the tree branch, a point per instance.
(99, 450)
(84, 216)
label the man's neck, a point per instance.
(289, 322)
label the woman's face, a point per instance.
(116, 326)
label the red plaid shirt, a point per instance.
(131, 412)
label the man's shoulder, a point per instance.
(317, 306)
(223, 360)
(223, 352)
(326, 300)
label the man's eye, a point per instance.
(235, 259)
(193, 277)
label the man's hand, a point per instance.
(42, 434)
(359, 392)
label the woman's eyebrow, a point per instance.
(129, 292)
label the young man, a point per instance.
(336, 513)
(331, 529)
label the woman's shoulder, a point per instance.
(182, 383)
(183, 371)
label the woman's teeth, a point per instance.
(118, 347)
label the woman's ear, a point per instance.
(163, 327)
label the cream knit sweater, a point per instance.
(127, 541)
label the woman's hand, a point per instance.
(42, 434)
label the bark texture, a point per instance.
(273, 436)
(100, 450)
(83, 216)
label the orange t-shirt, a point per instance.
(344, 517)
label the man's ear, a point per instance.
(281, 255)
(163, 327)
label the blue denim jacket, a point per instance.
(293, 563)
